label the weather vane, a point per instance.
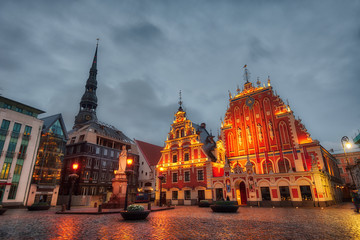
(246, 74)
(180, 102)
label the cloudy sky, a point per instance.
(149, 50)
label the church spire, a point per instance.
(88, 103)
(180, 102)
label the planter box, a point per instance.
(38, 207)
(2, 210)
(225, 208)
(204, 204)
(135, 215)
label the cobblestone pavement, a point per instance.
(339, 222)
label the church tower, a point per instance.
(88, 101)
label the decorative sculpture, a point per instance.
(122, 160)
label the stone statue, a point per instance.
(122, 160)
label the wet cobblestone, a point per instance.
(187, 223)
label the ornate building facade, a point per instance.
(270, 158)
(186, 163)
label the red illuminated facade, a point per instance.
(271, 158)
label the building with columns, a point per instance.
(270, 158)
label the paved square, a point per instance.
(338, 222)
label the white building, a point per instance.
(149, 156)
(20, 133)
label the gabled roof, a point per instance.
(50, 120)
(150, 152)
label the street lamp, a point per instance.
(72, 178)
(128, 173)
(161, 178)
(347, 144)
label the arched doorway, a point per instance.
(241, 194)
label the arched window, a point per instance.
(253, 167)
(177, 133)
(231, 142)
(284, 134)
(283, 165)
(182, 133)
(267, 167)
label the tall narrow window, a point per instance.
(175, 177)
(187, 176)
(17, 127)
(200, 176)
(284, 165)
(174, 158)
(27, 130)
(186, 157)
(5, 124)
(5, 170)
(13, 190)
(174, 195)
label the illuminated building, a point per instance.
(149, 156)
(20, 133)
(186, 162)
(271, 158)
(45, 181)
(95, 146)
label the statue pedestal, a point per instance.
(117, 199)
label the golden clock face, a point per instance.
(88, 117)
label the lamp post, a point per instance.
(128, 173)
(161, 178)
(345, 140)
(72, 178)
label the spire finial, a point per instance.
(268, 81)
(97, 41)
(258, 82)
(246, 74)
(180, 101)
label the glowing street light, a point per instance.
(72, 178)
(161, 178)
(128, 172)
(347, 144)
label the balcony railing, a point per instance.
(15, 134)
(26, 137)
(21, 155)
(3, 132)
(10, 154)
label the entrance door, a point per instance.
(2, 191)
(163, 198)
(219, 194)
(243, 193)
(201, 195)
